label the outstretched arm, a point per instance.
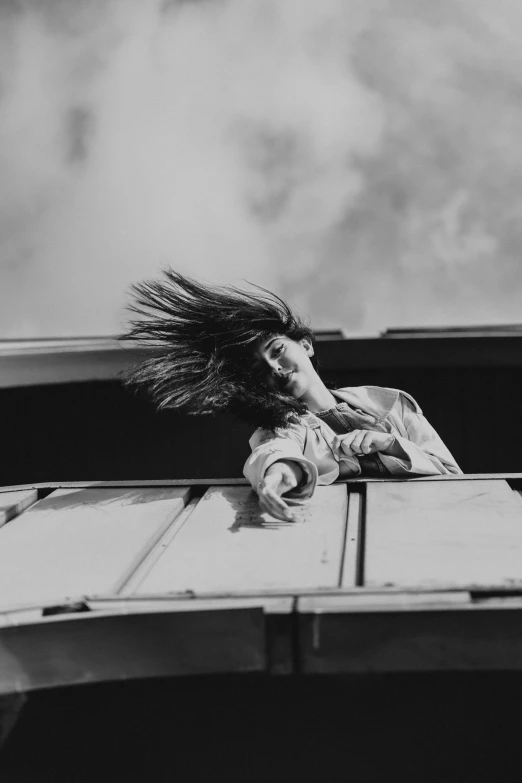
(279, 471)
(281, 477)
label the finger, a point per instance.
(347, 440)
(274, 505)
(357, 441)
(367, 443)
(283, 515)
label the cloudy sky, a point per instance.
(360, 157)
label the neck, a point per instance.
(318, 397)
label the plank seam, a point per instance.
(135, 567)
(139, 571)
(361, 543)
(345, 536)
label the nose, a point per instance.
(271, 370)
(275, 366)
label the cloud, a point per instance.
(219, 137)
(359, 157)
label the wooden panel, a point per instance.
(130, 585)
(443, 633)
(428, 534)
(13, 503)
(76, 542)
(227, 544)
(86, 648)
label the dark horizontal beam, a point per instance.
(33, 363)
(411, 639)
(321, 634)
(366, 353)
(95, 647)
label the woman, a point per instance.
(225, 349)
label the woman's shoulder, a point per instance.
(378, 400)
(294, 431)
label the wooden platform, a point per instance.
(130, 580)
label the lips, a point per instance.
(286, 379)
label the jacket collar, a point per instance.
(375, 400)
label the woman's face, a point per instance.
(285, 364)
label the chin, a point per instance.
(296, 390)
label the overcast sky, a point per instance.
(360, 157)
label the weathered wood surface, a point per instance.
(76, 542)
(227, 544)
(130, 584)
(13, 503)
(386, 577)
(459, 533)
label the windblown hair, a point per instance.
(203, 338)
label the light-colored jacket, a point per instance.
(317, 448)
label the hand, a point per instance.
(278, 479)
(361, 442)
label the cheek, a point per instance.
(291, 359)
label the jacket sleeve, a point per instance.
(270, 446)
(427, 454)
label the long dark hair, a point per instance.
(202, 339)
